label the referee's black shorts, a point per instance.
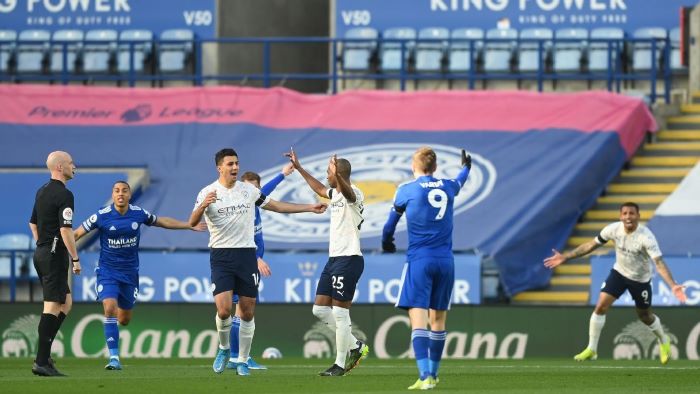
(53, 273)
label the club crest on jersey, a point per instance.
(377, 170)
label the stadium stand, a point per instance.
(430, 54)
(134, 51)
(100, 51)
(403, 41)
(17, 241)
(32, 51)
(500, 50)
(675, 40)
(530, 57)
(604, 55)
(175, 56)
(466, 48)
(7, 50)
(645, 53)
(358, 55)
(570, 50)
(70, 43)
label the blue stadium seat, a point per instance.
(7, 49)
(641, 53)
(460, 51)
(391, 51)
(569, 55)
(675, 37)
(429, 54)
(598, 51)
(32, 51)
(99, 51)
(142, 50)
(13, 241)
(528, 51)
(499, 54)
(175, 56)
(75, 37)
(357, 56)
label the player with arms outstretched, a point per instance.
(428, 277)
(635, 245)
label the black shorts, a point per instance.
(616, 284)
(340, 276)
(234, 269)
(52, 269)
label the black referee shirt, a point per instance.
(53, 209)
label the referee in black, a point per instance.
(51, 225)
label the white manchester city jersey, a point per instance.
(632, 251)
(346, 219)
(231, 219)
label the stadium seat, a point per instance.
(12, 241)
(141, 51)
(641, 54)
(391, 51)
(7, 49)
(75, 37)
(357, 55)
(529, 52)
(32, 51)
(99, 50)
(675, 61)
(598, 51)
(569, 55)
(430, 54)
(175, 56)
(499, 54)
(460, 49)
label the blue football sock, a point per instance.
(235, 330)
(112, 336)
(437, 344)
(421, 340)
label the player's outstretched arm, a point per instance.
(343, 184)
(79, 233)
(270, 186)
(287, 207)
(174, 224)
(388, 245)
(198, 212)
(314, 183)
(560, 258)
(466, 167)
(662, 269)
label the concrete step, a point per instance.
(597, 226)
(639, 199)
(664, 161)
(673, 146)
(679, 135)
(573, 269)
(655, 173)
(612, 215)
(567, 297)
(641, 188)
(570, 280)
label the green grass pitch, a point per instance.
(293, 375)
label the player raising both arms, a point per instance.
(118, 269)
(635, 245)
(336, 287)
(428, 277)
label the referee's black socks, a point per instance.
(48, 327)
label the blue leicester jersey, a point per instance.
(119, 236)
(428, 203)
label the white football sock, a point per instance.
(343, 329)
(594, 328)
(325, 314)
(245, 338)
(658, 329)
(223, 327)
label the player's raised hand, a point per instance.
(288, 169)
(319, 207)
(293, 158)
(201, 226)
(554, 260)
(333, 165)
(466, 160)
(264, 268)
(388, 246)
(679, 292)
(209, 199)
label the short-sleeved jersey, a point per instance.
(346, 221)
(119, 236)
(632, 251)
(53, 209)
(231, 218)
(428, 205)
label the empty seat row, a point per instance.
(23, 263)
(504, 50)
(94, 51)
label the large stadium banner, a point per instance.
(187, 331)
(686, 271)
(185, 277)
(628, 15)
(154, 15)
(539, 160)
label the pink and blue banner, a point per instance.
(540, 160)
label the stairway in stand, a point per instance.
(654, 172)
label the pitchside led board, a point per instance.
(154, 15)
(519, 14)
(686, 271)
(185, 277)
